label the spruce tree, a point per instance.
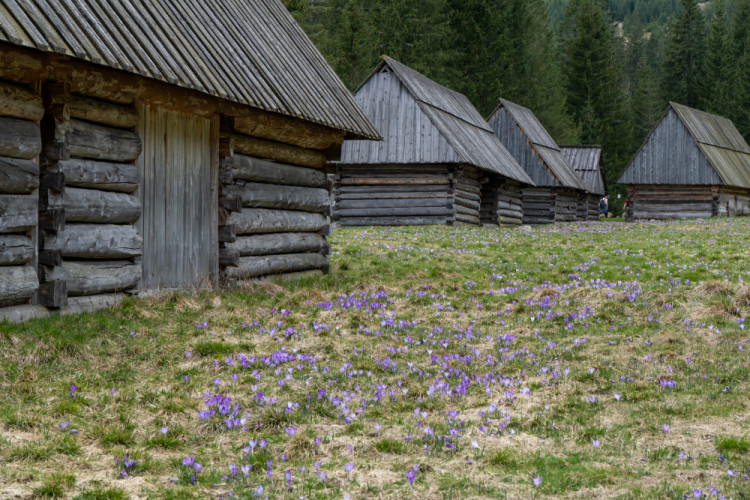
(741, 114)
(646, 102)
(683, 57)
(718, 70)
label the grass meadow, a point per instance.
(590, 360)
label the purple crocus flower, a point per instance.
(322, 475)
(410, 476)
(537, 480)
(188, 461)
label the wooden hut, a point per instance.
(586, 162)
(693, 164)
(439, 162)
(160, 144)
(557, 188)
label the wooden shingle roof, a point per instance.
(248, 52)
(586, 162)
(542, 143)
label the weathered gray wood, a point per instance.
(391, 212)
(91, 303)
(18, 212)
(250, 267)
(18, 176)
(293, 155)
(17, 284)
(93, 205)
(396, 221)
(52, 220)
(99, 142)
(20, 138)
(20, 102)
(53, 294)
(96, 241)
(230, 203)
(15, 250)
(261, 220)
(424, 188)
(22, 313)
(251, 169)
(467, 195)
(472, 204)
(391, 196)
(280, 196)
(227, 233)
(229, 257)
(90, 278)
(107, 176)
(510, 213)
(509, 221)
(49, 258)
(278, 243)
(54, 181)
(99, 111)
(394, 203)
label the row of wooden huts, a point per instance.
(440, 162)
(160, 144)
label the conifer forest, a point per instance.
(593, 71)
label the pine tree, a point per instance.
(717, 67)
(741, 114)
(683, 58)
(646, 103)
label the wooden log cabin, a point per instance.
(439, 162)
(586, 162)
(554, 198)
(693, 164)
(168, 145)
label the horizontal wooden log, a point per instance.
(396, 221)
(229, 257)
(99, 111)
(286, 130)
(15, 250)
(20, 139)
(510, 213)
(509, 206)
(95, 277)
(385, 173)
(18, 212)
(508, 200)
(99, 142)
(509, 221)
(460, 209)
(467, 219)
(262, 220)
(20, 102)
(255, 194)
(22, 313)
(18, 176)
(401, 181)
(256, 170)
(250, 267)
(424, 188)
(463, 179)
(392, 196)
(93, 205)
(294, 155)
(467, 195)
(17, 284)
(472, 204)
(392, 212)
(96, 241)
(394, 203)
(91, 303)
(227, 233)
(278, 243)
(53, 294)
(122, 177)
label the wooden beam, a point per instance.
(90, 278)
(53, 294)
(284, 129)
(17, 284)
(94, 174)
(277, 243)
(49, 257)
(52, 220)
(256, 170)
(262, 148)
(20, 102)
(18, 176)
(98, 142)
(15, 250)
(98, 111)
(20, 139)
(18, 212)
(93, 205)
(306, 199)
(96, 241)
(251, 267)
(261, 220)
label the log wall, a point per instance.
(468, 183)
(20, 145)
(274, 212)
(89, 247)
(671, 202)
(733, 202)
(377, 195)
(509, 204)
(538, 206)
(566, 206)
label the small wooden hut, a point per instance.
(586, 162)
(693, 164)
(439, 162)
(557, 188)
(160, 144)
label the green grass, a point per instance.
(483, 356)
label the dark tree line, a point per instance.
(593, 71)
